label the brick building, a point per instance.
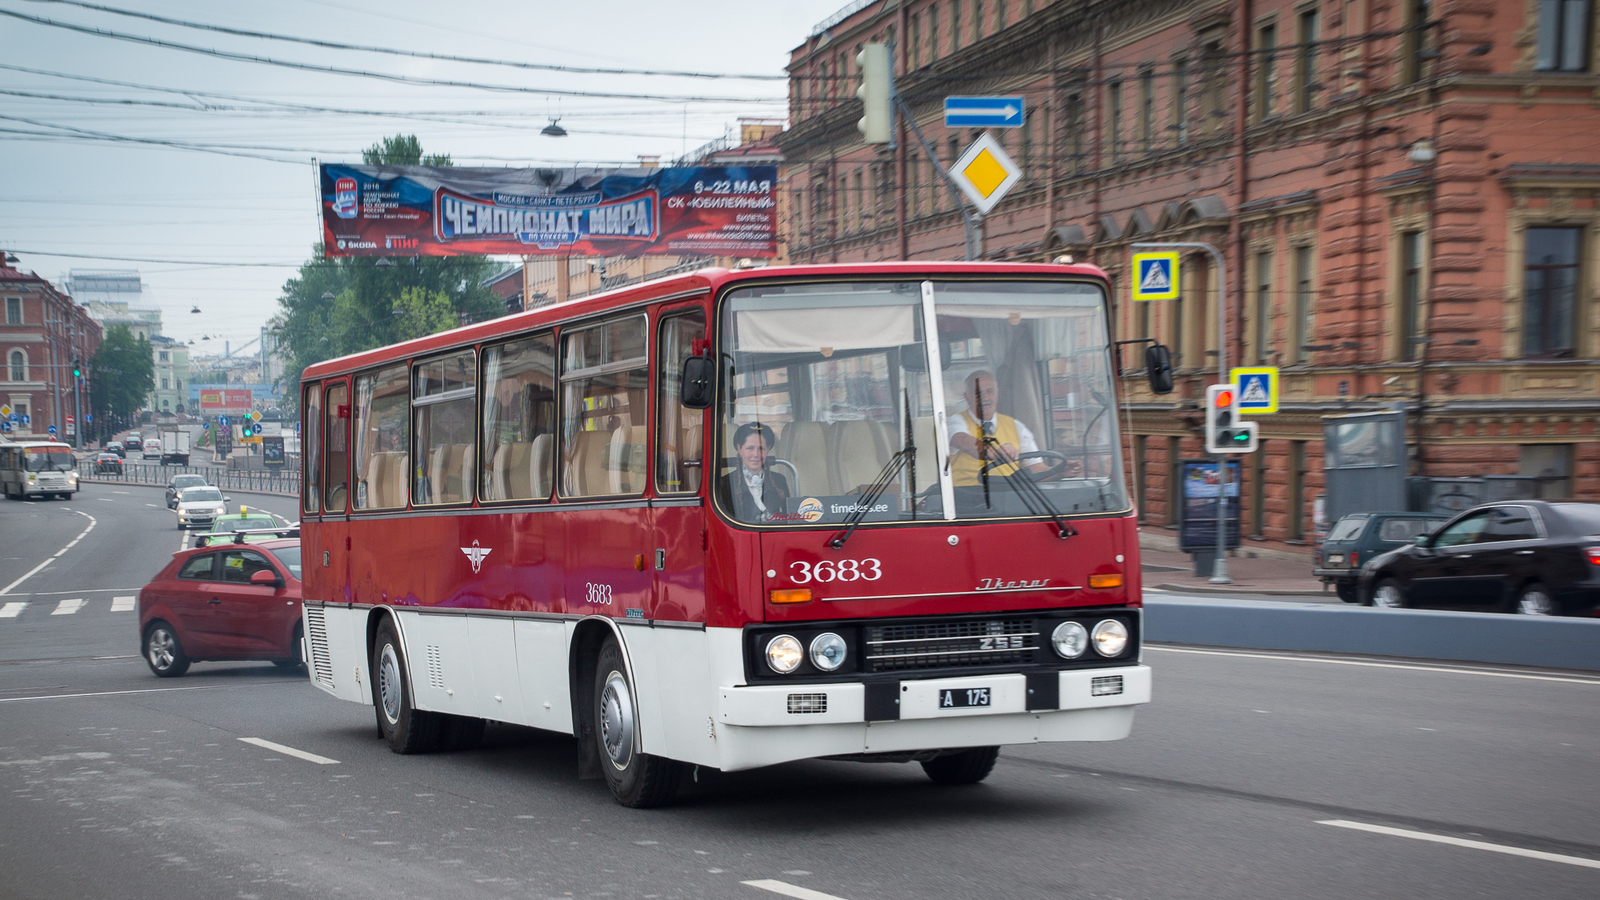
(1406, 194)
(42, 332)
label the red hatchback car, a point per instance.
(223, 602)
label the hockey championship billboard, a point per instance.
(434, 211)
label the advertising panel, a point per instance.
(223, 402)
(1201, 487)
(434, 211)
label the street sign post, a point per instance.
(1257, 387)
(984, 112)
(1155, 276)
(985, 173)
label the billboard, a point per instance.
(224, 402)
(447, 211)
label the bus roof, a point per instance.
(700, 281)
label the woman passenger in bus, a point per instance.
(755, 491)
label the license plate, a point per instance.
(963, 698)
(1335, 559)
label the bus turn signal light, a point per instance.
(1111, 580)
(791, 595)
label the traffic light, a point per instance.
(247, 429)
(77, 370)
(1226, 430)
(873, 61)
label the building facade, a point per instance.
(1405, 195)
(42, 334)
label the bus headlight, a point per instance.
(828, 651)
(1110, 637)
(1070, 640)
(784, 654)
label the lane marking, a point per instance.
(35, 570)
(790, 890)
(78, 591)
(122, 604)
(105, 499)
(1378, 665)
(206, 687)
(68, 607)
(1463, 842)
(12, 609)
(290, 751)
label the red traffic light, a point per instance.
(1222, 399)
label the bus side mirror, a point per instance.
(1158, 366)
(699, 382)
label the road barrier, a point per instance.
(265, 481)
(1554, 642)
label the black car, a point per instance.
(1362, 536)
(1534, 557)
(117, 448)
(107, 463)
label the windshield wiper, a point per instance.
(905, 457)
(1022, 482)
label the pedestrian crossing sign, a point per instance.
(1155, 276)
(1257, 387)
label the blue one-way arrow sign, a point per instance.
(983, 112)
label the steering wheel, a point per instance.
(1061, 461)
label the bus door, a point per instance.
(678, 516)
(335, 530)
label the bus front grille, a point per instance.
(950, 644)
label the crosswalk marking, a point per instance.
(122, 604)
(12, 609)
(68, 607)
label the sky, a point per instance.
(90, 177)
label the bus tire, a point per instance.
(406, 728)
(963, 766)
(636, 779)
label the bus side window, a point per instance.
(444, 402)
(519, 420)
(680, 434)
(311, 450)
(382, 410)
(605, 385)
(336, 448)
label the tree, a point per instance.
(123, 374)
(402, 150)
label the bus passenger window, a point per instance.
(604, 389)
(311, 455)
(680, 438)
(519, 420)
(380, 424)
(336, 448)
(443, 409)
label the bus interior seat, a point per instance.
(539, 466)
(805, 446)
(625, 474)
(586, 472)
(859, 454)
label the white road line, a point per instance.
(122, 604)
(204, 687)
(35, 570)
(68, 607)
(790, 890)
(1377, 665)
(290, 751)
(12, 609)
(1463, 842)
(106, 499)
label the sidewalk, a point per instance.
(1169, 570)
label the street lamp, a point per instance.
(553, 130)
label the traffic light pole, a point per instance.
(1219, 568)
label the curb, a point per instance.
(1240, 589)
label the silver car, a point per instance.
(198, 507)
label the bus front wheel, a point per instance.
(963, 766)
(406, 728)
(636, 779)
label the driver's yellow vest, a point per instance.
(964, 468)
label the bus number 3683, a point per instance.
(825, 570)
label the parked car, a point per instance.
(223, 603)
(1360, 536)
(117, 448)
(1533, 557)
(225, 528)
(178, 483)
(151, 449)
(201, 506)
(133, 443)
(107, 463)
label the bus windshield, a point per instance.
(48, 459)
(830, 392)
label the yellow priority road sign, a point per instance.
(985, 173)
(1155, 276)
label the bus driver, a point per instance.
(981, 419)
(756, 492)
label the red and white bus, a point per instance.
(736, 518)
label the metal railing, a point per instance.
(267, 481)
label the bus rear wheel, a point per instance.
(963, 766)
(406, 728)
(636, 779)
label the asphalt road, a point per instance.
(1263, 775)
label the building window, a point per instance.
(1411, 311)
(1304, 306)
(1072, 122)
(1550, 287)
(1263, 317)
(1180, 99)
(19, 366)
(1266, 70)
(955, 25)
(977, 20)
(1417, 15)
(163, 356)
(1550, 467)
(1147, 108)
(933, 32)
(1213, 88)
(1114, 120)
(1294, 529)
(1563, 35)
(916, 40)
(1000, 15)
(1306, 86)
(13, 310)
